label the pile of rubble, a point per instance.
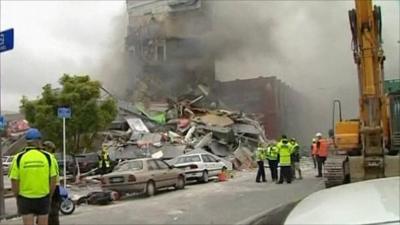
(168, 130)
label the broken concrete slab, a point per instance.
(241, 128)
(219, 149)
(215, 120)
(244, 158)
(136, 124)
(206, 140)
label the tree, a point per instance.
(90, 113)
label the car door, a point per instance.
(215, 164)
(155, 173)
(168, 174)
(207, 163)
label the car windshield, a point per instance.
(129, 165)
(188, 159)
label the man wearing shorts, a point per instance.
(33, 180)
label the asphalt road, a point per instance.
(213, 203)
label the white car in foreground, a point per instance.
(368, 202)
(200, 166)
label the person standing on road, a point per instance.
(104, 161)
(313, 150)
(322, 152)
(56, 198)
(295, 158)
(272, 157)
(261, 155)
(33, 180)
(284, 152)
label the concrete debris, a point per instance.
(136, 124)
(216, 120)
(167, 130)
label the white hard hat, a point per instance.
(318, 134)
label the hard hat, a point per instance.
(314, 140)
(49, 144)
(33, 134)
(293, 139)
(318, 134)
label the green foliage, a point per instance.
(90, 113)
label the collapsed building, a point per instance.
(177, 105)
(172, 52)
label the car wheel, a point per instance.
(204, 177)
(180, 183)
(150, 189)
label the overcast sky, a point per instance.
(52, 38)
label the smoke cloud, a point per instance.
(304, 43)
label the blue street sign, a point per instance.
(64, 112)
(6, 40)
(2, 122)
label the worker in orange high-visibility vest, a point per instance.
(322, 152)
(313, 151)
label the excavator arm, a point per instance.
(364, 140)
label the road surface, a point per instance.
(213, 203)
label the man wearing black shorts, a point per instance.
(33, 180)
(56, 198)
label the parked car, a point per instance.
(140, 175)
(200, 166)
(71, 165)
(7, 160)
(87, 162)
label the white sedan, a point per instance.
(200, 166)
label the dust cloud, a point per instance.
(304, 43)
(116, 69)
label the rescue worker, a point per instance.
(313, 150)
(33, 175)
(56, 198)
(272, 156)
(261, 155)
(322, 152)
(104, 161)
(284, 152)
(295, 157)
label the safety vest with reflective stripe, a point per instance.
(261, 154)
(272, 152)
(284, 151)
(104, 158)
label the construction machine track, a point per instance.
(335, 170)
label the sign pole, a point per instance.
(64, 155)
(6, 44)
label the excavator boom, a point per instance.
(364, 139)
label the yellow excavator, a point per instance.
(362, 145)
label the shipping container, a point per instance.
(263, 95)
(392, 86)
(394, 120)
